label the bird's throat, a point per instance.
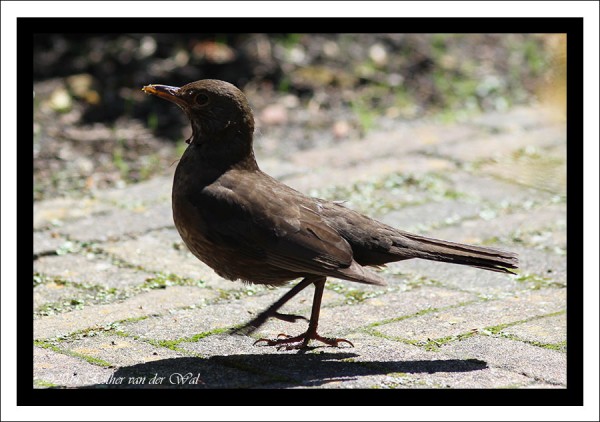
(217, 155)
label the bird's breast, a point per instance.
(197, 216)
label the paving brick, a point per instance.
(536, 268)
(463, 319)
(340, 320)
(373, 363)
(513, 120)
(185, 323)
(334, 320)
(56, 212)
(541, 384)
(281, 169)
(414, 367)
(231, 345)
(47, 241)
(532, 361)
(89, 270)
(541, 173)
(51, 292)
(155, 190)
(144, 304)
(188, 372)
(496, 191)
(381, 145)
(118, 350)
(557, 151)
(66, 371)
(420, 217)
(554, 240)
(502, 145)
(509, 228)
(549, 266)
(461, 277)
(364, 171)
(164, 251)
(511, 194)
(550, 330)
(118, 223)
(50, 367)
(300, 369)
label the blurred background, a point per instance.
(94, 128)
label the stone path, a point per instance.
(119, 301)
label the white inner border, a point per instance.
(12, 10)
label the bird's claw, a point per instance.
(287, 342)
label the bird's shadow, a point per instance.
(281, 370)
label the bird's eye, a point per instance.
(202, 99)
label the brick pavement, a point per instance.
(120, 302)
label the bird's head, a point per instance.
(217, 109)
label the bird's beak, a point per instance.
(166, 92)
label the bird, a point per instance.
(248, 226)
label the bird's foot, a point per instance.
(284, 341)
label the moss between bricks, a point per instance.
(90, 359)
(97, 294)
(113, 328)
(352, 294)
(44, 384)
(531, 238)
(538, 282)
(163, 280)
(356, 295)
(436, 344)
(363, 194)
(172, 344)
(248, 290)
(497, 331)
(560, 346)
(416, 314)
(91, 294)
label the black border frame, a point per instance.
(572, 395)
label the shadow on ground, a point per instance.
(284, 370)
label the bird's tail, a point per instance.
(415, 246)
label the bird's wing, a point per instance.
(280, 227)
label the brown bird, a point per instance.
(248, 226)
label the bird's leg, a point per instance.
(253, 325)
(301, 341)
